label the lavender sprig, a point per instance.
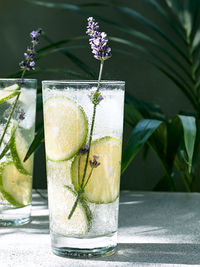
(98, 40)
(101, 51)
(28, 63)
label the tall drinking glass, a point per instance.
(83, 144)
(17, 128)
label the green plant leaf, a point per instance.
(140, 134)
(182, 85)
(35, 144)
(48, 70)
(188, 93)
(75, 60)
(189, 130)
(196, 40)
(117, 25)
(158, 142)
(60, 49)
(154, 56)
(39, 102)
(154, 27)
(131, 115)
(173, 141)
(59, 43)
(147, 110)
(172, 23)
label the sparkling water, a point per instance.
(100, 237)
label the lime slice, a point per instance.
(9, 92)
(61, 201)
(18, 149)
(65, 128)
(103, 185)
(15, 186)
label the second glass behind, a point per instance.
(83, 140)
(17, 129)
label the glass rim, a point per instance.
(17, 79)
(54, 82)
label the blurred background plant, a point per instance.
(171, 47)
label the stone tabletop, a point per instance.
(155, 229)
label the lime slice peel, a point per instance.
(103, 186)
(66, 128)
(18, 149)
(15, 186)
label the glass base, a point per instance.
(84, 248)
(10, 216)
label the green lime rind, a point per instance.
(107, 138)
(84, 134)
(102, 182)
(2, 100)
(11, 88)
(84, 205)
(12, 198)
(15, 155)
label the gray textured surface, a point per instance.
(155, 229)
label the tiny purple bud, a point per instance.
(34, 34)
(100, 97)
(21, 114)
(84, 149)
(94, 163)
(32, 64)
(23, 65)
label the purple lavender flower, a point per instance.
(22, 114)
(34, 34)
(29, 63)
(84, 149)
(29, 56)
(30, 49)
(98, 41)
(92, 26)
(94, 163)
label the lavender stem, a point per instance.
(90, 140)
(9, 118)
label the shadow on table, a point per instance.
(156, 253)
(37, 225)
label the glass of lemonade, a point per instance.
(17, 129)
(92, 201)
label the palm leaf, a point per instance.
(155, 56)
(58, 43)
(189, 129)
(48, 70)
(139, 136)
(35, 144)
(75, 60)
(119, 26)
(173, 25)
(183, 87)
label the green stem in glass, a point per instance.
(92, 125)
(88, 178)
(9, 118)
(89, 144)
